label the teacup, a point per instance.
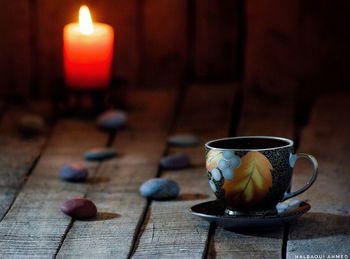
(253, 173)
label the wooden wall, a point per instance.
(297, 44)
(274, 45)
(158, 43)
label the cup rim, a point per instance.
(289, 141)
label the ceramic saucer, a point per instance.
(214, 212)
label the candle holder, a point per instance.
(88, 102)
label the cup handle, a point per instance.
(312, 179)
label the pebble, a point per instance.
(79, 208)
(183, 140)
(159, 189)
(176, 161)
(99, 153)
(112, 120)
(31, 124)
(288, 206)
(75, 172)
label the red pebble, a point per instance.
(79, 208)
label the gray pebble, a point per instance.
(31, 124)
(176, 161)
(79, 208)
(75, 172)
(112, 120)
(159, 189)
(183, 140)
(96, 154)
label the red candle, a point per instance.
(87, 52)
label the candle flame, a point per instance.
(85, 21)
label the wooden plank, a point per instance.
(325, 229)
(259, 116)
(17, 155)
(15, 48)
(323, 42)
(34, 226)
(271, 45)
(169, 229)
(163, 54)
(49, 37)
(216, 39)
(121, 207)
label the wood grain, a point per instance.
(15, 48)
(169, 229)
(34, 226)
(17, 155)
(116, 187)
(325, 229)
(259, 116)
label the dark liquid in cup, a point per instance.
(248, 143)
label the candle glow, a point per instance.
(87, 52)
(85, 21)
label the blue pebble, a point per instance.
(176, 161)
(112, 120)
(183, 140)
(74, 172)
(97, 154)
(159, 189)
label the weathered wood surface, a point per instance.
(17, 155)
(116, 189)
(259, 116)
(169, 230)
(325, 229)
(34, 226)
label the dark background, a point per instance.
(278, 47)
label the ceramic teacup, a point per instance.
(253, 173)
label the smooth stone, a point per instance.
(176, 161)
(159, 189)
(75, 172)
(31, 124)
(112, 120)
(79, 208)
(183, 140)
(96, 154)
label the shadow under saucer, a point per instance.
(214, 212)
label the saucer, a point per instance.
(214, 212)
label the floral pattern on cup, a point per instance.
(246, 180)
(221, 166)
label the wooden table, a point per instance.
(127, 225)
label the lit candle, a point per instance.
(87, 52)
